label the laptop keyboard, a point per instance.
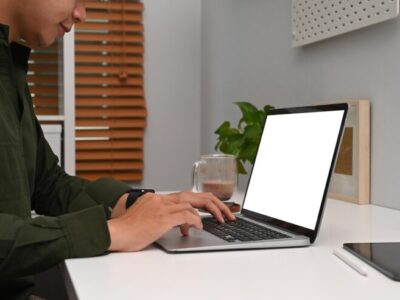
(240, 230)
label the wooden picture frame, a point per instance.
(350, 180)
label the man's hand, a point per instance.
(119, 208)
(208, 202)
(205, 201)
(148, 219)
(153, 215)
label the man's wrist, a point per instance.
(114, 233)
(119, 208)
(134, 195)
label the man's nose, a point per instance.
(79, 13)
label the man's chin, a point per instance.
(45, 43)
(42, 43)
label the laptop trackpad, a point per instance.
(197, 238)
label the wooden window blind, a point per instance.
(110, 105)
(43, 79)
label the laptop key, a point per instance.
(229, 238)
(240, 230)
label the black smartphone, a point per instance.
(385, 257)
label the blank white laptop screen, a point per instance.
(292, 166)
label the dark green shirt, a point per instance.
(75, 210)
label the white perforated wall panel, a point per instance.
(314, 20)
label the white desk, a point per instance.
(302, 273)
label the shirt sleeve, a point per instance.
(57, 193)
(33, 245)
(74, 221)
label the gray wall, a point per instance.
(247, 55)
(173, 92)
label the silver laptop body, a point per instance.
(288, 184)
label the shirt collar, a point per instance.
(20, 55)
(19, 52)
(4, 31)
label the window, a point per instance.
(43, 80)
(110, 105)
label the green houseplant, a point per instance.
(243, 140)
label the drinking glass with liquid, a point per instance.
(217, 174)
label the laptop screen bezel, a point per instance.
(296, 229)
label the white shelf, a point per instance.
(315, 20)
(56, 118)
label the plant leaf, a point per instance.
(241, 121)
(262, 116)
(253, 133)
(240, 167)
(217, 145)
(249, 111)
(234, 144)
(225, 130)
(268, 108)
(223, 127)
(223, 147)
(249, 152)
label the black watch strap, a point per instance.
(135, 194)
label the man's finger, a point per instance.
(186, 217)
(221, 206)
(214, 210)
(171, 199)
(225, 209)
(182, 207)
(185, 229)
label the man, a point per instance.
(81, 218)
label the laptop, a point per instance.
(285, 197)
